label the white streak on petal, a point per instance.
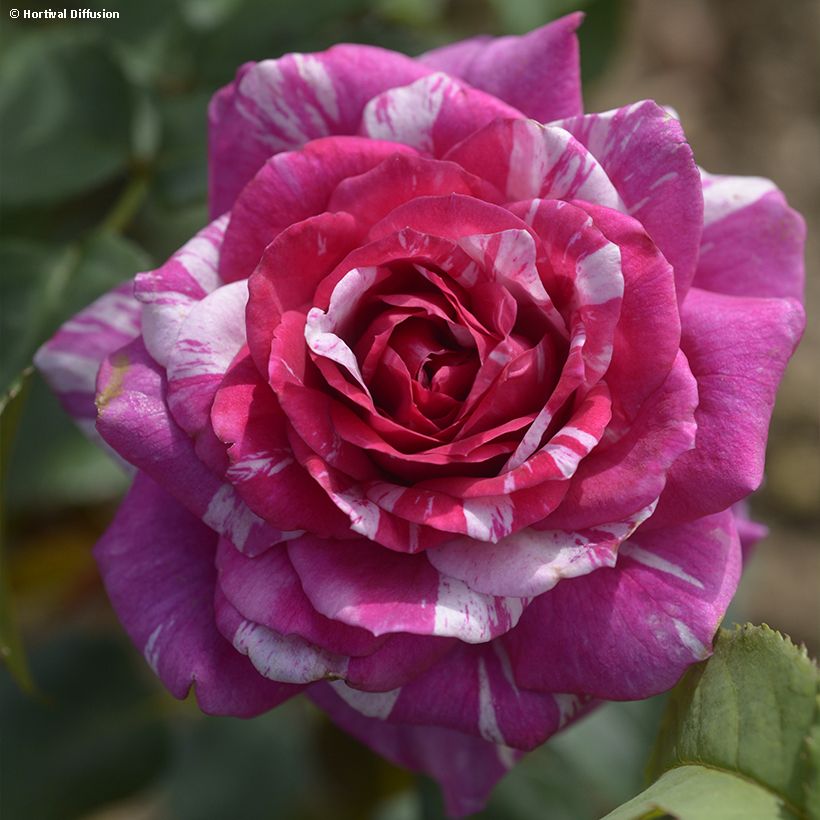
(690, 641)
(487, 719)
(598, 276)
(151, 651)
(488, 520)
(286, 658)
(370, 704)
(653, 561)
(725, 195)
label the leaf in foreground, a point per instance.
(739, 738)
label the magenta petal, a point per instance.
(737, 349)
(169, 292)
(467, 768)
(279, 105)
(210, 336)
(71, 359)
(134, 419)
(291, 187)
(644, 152)
(157, 563)
(538, 73)
(432, 114)
(631, 631)
(267, 590)
(362, 584)
(753, 242)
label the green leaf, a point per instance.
(748, 709)
(66, 106)
(739, 737)
(699, 793)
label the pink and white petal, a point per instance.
(261, 466)
(279, 105)
(737, 348)
(652, 615)
(753, 242)
(400, 659)
(291, 187)
(402, 178)
(643, 150)
(134, 419)
(314, 247)
(210, 336)
(466, 767)
(285, 659)
(537, 73)
(531, 562)
(71, 359)
(618, 479)
(362, 584)
(157, 564)
(524, 159)
(169, 292)
(473, 691)
(267, 591)
(432, 114)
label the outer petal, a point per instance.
(157, 563)
(134, 419)
(738, 349)
(472, 690)
(531, 562)
(644, 152)
(169, 292)
(70, 360)
(467, 768)
(279, 105)
(432, 114)
(362, 584)
(291, 187)
(630, 632)
(538, 73)
(209, 338)
(267, 591)
(752, 240)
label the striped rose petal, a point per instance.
(432, 114)
(643, 151)
(71, 359)
(466, 767)
(639, 647)
(279, 105)
(531, 562)
(169, 292)
(134, 419)
(211, 335)
(752, 243)
(473, 691)
(525, 159)
(157, 563)
(538, 73)
(361, 584)
(726, 463)
(291, 187)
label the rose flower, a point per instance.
(443, 417)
